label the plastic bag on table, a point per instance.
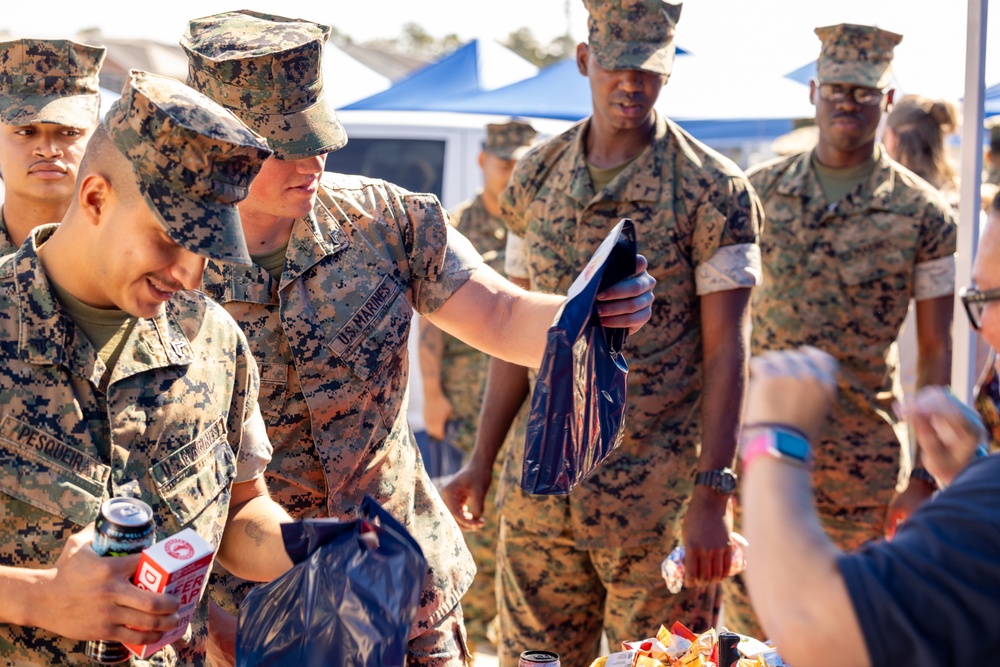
(350, 599)
(577, 413)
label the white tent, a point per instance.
(346, 79)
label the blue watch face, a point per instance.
(790, 445)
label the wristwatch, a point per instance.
(722, 480)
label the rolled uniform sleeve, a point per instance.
(934, 264)
(725, 251)
(255, 448)
(251, 443)
(441, 259)
(515, 262)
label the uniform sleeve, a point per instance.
(254, 448)
(515, 260)
(441, 259)
(514, 202)
(929, 596)
(726, 227)
(938, 233)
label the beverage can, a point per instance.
(532, 658)
(124, 526)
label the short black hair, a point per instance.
(996, 203)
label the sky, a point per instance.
(772, 37)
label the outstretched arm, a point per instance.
(505, 321)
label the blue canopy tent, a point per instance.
(471, 69)
(992, 100)
(707, 112)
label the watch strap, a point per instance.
(788, 445)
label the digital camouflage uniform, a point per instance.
(696, 221)
(6, 245)
(839, 276)
(175, 422)
(331, 334)
(47, 81)
(463, 376)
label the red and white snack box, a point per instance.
(179, 565)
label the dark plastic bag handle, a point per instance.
(620, 266)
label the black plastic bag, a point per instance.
(350, 599)
(578, 406)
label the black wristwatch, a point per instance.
(722, 480)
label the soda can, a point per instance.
(124, 526)
(532, 658)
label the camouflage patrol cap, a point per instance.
(49, 81)
(268, 71)
(633, 34)
(856, 54)
(193, 162)
(509, 140)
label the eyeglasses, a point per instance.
(975, 303)
(836, 93)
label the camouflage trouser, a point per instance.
(444, 645)
(849, 528)
(556, 597)
(479, 604)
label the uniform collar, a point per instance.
(5, 241)
(313, 238)
(642, 180)
(48, 336)
(874, 194)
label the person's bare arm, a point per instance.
(505, 321)
(437, 407)
(52, 598)
(934, 318)
(725, 326)
(506, 388)
(793, 579)
(252, 547)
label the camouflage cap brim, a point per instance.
(508, 152)
(870, 75)
(79, 111)
(655, 58)
(206, 228)
(315, 130)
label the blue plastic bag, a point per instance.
(578, 405)
(350, 599)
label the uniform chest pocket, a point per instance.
(878, 285)
(50, 474)
(273, 390)
(375, 332)
(194, 476)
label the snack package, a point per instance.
(179, 566)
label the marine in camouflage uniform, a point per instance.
(839, 274)
(330, 323)
(454, 373)
(164, 410)
(49, 104)
(572, 566)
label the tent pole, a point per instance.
(963, 372)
